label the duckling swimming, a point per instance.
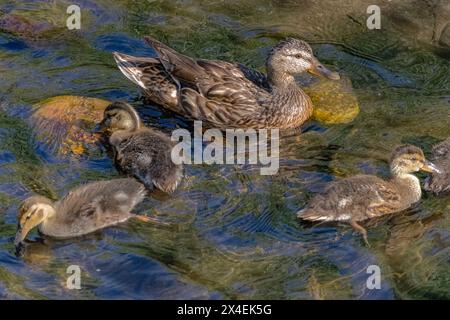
(139, 151)
(228, 95)
(363, 197)
(440, 182)
(83, 210)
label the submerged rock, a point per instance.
(64, 123)
(334, 101)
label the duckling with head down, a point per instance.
(363, 197)
(228, 95)
(142, 152)
(83, 210)
(440, 182)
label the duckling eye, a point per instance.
(298, 56)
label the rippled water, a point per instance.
(230, 232)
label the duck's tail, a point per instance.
(133, 67)
(150, 75)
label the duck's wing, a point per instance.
(255, 76)
(151, 76)
(218, 92)
(99, 204)
(226, 102)
(356, 198)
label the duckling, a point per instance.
(363, 197)
(440, 182)
(83, 210)
(142, 152)
(228, 95)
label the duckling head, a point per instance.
(32, 212)
(119, 116)
(407, 159)
(293, 56)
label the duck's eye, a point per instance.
(298, 56)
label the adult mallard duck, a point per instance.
(83, 210)
(224, 94)
(144, 153)
(440, 182)
(363, 197)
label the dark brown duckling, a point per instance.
(228, 95)
(139, 151)
(83, 210)
(440, 182)
(363, 197)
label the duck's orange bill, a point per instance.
(319, 69)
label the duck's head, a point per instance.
(408, 159)
(32, 212)
(119, 116)
(293, 56)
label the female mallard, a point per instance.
(228, 95)
(440, 182)
(365, 196)
(139, 151)
(83, 210)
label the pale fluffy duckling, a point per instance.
(363, 197)
(142, 152)
(83, 210)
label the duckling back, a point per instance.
(94, 206)
(355, 199)
(146, 155)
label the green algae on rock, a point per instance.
(334, 101)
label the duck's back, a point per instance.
(356, 198)
(146, 154)
(220, 93)
(94, 206)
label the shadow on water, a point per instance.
(230, 233)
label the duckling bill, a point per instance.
(228, 95)
(362, 197)
(144, 153)
(83, 210)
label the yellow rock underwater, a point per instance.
(334, 101)
(64, 123)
